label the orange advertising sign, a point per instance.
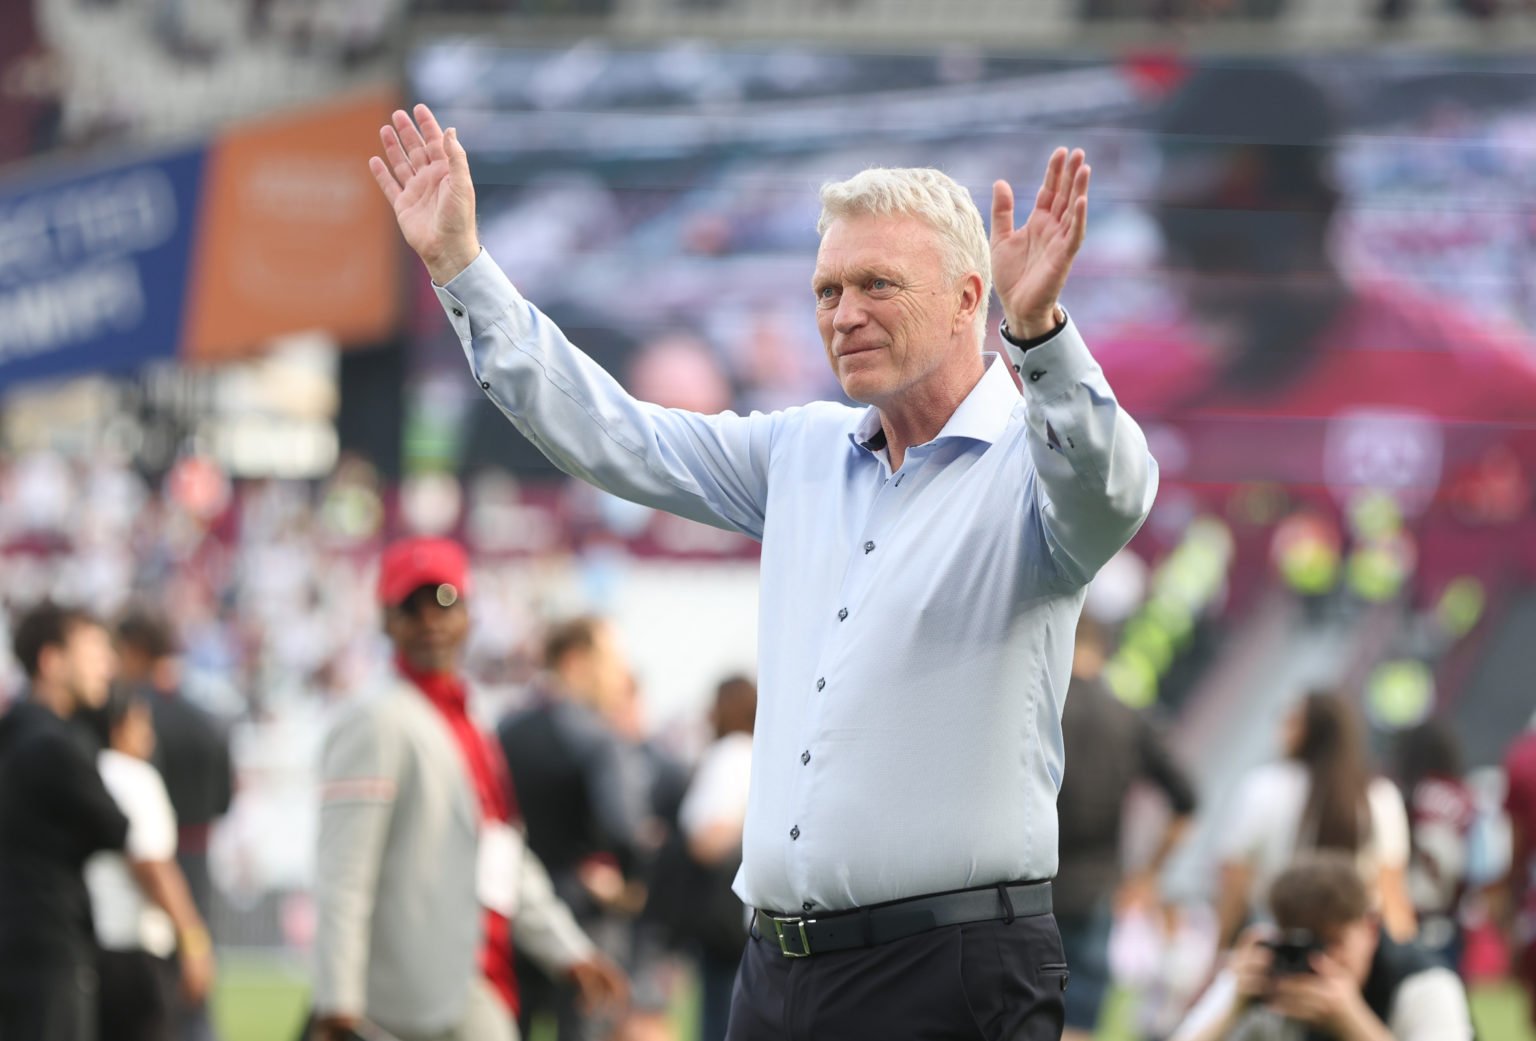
(293, 234)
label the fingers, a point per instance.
(395, 155)
(1002, 210)
(1053, 170)
(1077, 223)
(410, 137)
(431, 132)
(1063, 192)
(458, 159)
(386, 180)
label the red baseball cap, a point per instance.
(411, 563)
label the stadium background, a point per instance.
(225, 385)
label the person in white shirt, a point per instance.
(1321, 795)
(147, 926)
(1328, 970)
(712, 818)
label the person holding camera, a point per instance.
(1327, 969)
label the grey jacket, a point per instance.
(399, 921)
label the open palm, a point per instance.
(1030, 263)
(425, 176)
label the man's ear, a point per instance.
(972, 297)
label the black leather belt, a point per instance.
(799, 936)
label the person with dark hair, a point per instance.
(1441, 814)
(1328, 971)
(585, 792)
(424, 878)
(142, 906)
(55, 812)
(1321, 795)
(192, 755)
(1110, 747)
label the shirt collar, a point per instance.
(982, 416)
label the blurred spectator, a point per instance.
(55, 812)
(1320, 796)
(422, 870)
(192, 754)
(1328, 970)
(651, 966)
(585, 792)
(1109, 746)
(1520, 804)
(1441, 813)
(693, 894)
(140, 901)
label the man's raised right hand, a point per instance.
(425, 176)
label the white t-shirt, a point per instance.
(1266, 822)
(125, 919)
(718, 791)
(1428, 1006)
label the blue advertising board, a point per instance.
(93, 266)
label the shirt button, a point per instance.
(794, 833)
(821, 685)
(898, 479)
(457, 313)
(485, 385)
(842, 614)
(869, 547)
(807, 906)
(805, 758)
(1034, 377)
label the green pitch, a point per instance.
(265, 1000)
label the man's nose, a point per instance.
(850, 313)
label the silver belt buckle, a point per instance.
(785, 936)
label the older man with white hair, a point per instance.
(924, 562)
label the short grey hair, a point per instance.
(933, 197)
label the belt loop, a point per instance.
(1002, 891)
(864, 919)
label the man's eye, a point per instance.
(826, 292)
(880, 283)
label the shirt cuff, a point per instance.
(1053, 368)
(475, 297)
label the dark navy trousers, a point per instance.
(986, 981)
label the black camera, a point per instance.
(1292, 952)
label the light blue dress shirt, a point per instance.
(915, 628)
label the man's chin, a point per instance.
(865, 388)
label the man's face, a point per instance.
(428, 634)
(889, 316)
(611, 678)
(1353, 946)
(83, 665)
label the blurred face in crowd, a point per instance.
(427, 632)
(599, 675)
(81, 667)
(891, 318)
(1353, 946)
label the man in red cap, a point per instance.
(422, 871)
